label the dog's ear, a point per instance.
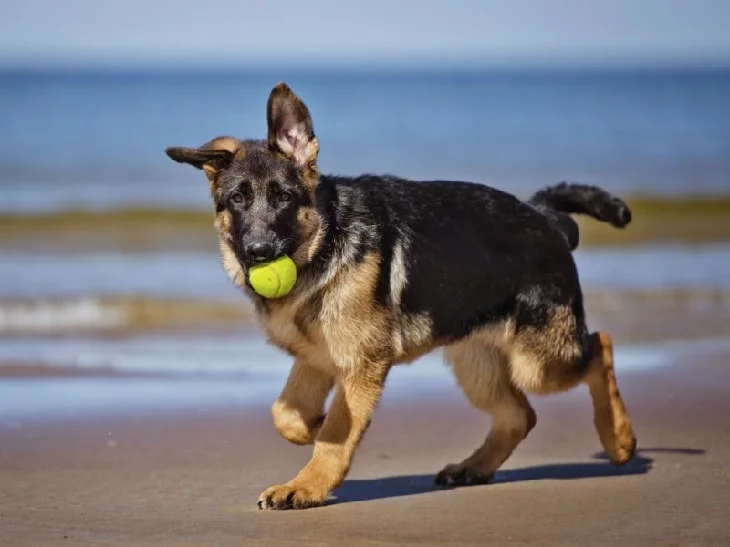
(213, 157)
(291, 132)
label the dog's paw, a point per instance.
(290, 496)
(458, 474)
(617, 437)
(622, 448)
(290, 424)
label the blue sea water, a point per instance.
(183, 274)
(218, 372)
(97, 139)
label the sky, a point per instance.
(221, 32)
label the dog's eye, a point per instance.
(237, 198)
(285, 196)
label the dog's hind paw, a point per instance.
(459, 474)
(622, 449)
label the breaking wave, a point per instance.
(120, 314)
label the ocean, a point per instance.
(97, 139)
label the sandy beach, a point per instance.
(192, 477)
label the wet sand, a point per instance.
(684, 219)
(193, 478)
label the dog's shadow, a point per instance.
(409, 485)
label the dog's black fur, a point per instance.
(559, 200)
(477, 254)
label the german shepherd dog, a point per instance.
(391, 269)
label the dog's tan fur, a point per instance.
(340, 337)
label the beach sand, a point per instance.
(193, 477)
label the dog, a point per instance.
(391, 269)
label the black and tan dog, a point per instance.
(391, 269)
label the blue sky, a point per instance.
(375, 31)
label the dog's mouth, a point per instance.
(280, 248)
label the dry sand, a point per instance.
(193, 478)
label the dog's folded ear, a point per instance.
(291, 132)
(213, 157)
(199, 158)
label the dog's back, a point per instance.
(461, 253)
(449, 246)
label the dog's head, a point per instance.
(263, 190)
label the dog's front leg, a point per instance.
(298, 412)
(358, 393)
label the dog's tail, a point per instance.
(559, 200)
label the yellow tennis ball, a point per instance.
(273, 279)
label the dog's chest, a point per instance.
(290, 327)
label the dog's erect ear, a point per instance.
(291, 132)
(212, 157)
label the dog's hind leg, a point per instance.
(482, 373)
(558, 356)
(610, 417)
(298, 412)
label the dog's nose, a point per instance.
(259, 251)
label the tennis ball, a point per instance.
(273, 279)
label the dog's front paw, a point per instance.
(291, 425)
(291, 495)
(459, 474)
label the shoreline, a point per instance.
(656, 220)
(634, 314)
(36, 392)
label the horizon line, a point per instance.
(344, 65)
